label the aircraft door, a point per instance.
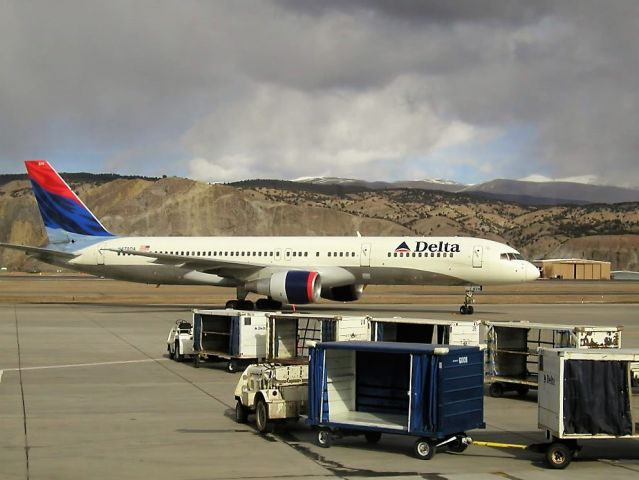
(478, 253)
(365, 255)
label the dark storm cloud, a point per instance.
(430, 11)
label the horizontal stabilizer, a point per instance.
(39, 251)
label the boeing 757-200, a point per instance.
(292, 270)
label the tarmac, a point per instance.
(87, 391)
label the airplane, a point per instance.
(284, 270)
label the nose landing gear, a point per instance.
(467, 308)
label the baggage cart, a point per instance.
(289, 333)
(512, 350)
(425, 330)
(585, 394)
(235, 336)
(432, 392)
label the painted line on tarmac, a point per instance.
(72, 365)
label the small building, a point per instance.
(574, 269)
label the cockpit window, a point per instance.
(511, 256)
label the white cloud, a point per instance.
(278, 131)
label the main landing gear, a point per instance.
(467, 308)
(262, 304)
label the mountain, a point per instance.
(425, 184)
(535, 190)
(551, 193)
(177, 206)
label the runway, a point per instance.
(87, 391)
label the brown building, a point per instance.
(574, 269)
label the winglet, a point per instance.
(60, 207)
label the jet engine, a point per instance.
(293, 286)
(345, 293)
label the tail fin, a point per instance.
(63, 213)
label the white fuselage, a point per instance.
(339, 260)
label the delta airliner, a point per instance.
(291, 270)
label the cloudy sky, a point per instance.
(467, 90)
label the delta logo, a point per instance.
(435, 247)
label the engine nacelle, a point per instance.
(345, 293)
(293, 286)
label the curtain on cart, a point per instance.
(318, 395)
(423, 415)
(596, 398)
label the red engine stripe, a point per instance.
(309, 285)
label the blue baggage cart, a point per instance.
(433, 392)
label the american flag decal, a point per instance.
(144, 248)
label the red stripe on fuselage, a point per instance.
(40, 172)
(309, 285)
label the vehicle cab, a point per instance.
(180, 340)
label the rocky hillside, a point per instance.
(175, 206)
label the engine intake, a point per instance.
(345, 293)
(293, 286)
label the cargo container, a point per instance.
(433, 392)
(585, 394)
(425, 330)
(235, 336)
(289, 333)
(512, 350)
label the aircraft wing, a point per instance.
(224, 268)
(40, 252)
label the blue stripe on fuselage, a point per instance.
(62, 213)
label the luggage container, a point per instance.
(584, 394)
(239, 337)
(512, 350)
(432, 392)
(423, 330)
(289, 333)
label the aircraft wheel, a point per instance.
(470, 309)
(232, 304)
(463, 310)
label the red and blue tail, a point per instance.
(61, 209)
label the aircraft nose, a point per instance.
(532, 272)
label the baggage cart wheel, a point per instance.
(324, 438)
(372, 437)
(231, 366)
(558, 455)
(171, 354)
(196, 361)
(523, 390)
(241, 412)
(424, 448)
(458, 445)
(261, 416)
(496, 390)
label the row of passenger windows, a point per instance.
(508, 256)
(245, 254)
(419, 254)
